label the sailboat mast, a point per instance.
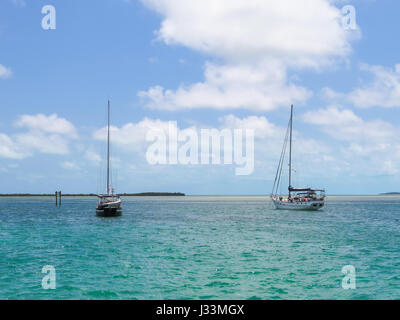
(290, 149)
(108, 150)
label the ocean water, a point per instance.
(199, 247)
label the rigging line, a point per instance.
(283, 157)
(281, 160)
(280, 166)
(280, 171)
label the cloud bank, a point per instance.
(257, 42)
(44, 134)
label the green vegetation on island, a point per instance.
(153, 194)
(143, 194)
(389, 193)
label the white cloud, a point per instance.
(5, 72)
(361, 147)
(332, 116)
(384, 91)
(271, 136)
(131, 136)
(298, 32)
(344, 124)
(268, 142)
(47, 124)
(257, 42)
(43, 143)
(69, 165)
(311, 157)
(92, 156)
(262, 87)
(331, 95)
(263, 128)
(44, 134)
(9, 149)
(372, 147)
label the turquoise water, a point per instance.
(200, 248)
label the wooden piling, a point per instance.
(58, 198)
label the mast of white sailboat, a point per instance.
(290, 149)
(108, 150)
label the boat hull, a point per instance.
(299, 205)
(109, 209)
(109, 212)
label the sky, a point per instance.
(225, 65)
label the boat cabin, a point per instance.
(306, 194)
(103, 198)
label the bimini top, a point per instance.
(291, 189)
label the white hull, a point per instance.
(298, 198)
(299, 205)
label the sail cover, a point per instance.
(291, 189)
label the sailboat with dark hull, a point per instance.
(110, 204)
(297, 198)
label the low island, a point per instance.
(390, 194)
(142, 194)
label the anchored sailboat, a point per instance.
(109, 204)
(297, 198)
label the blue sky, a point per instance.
(226, 64)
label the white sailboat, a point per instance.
(297, 198)
(109, 204)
